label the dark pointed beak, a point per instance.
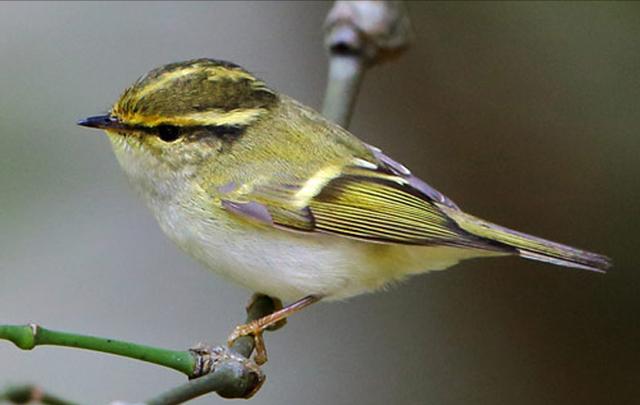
(100, 121)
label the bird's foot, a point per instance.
(255, 330)
(270, 322)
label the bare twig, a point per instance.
(358, 35)
(232, 376)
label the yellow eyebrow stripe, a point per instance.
(213, 117)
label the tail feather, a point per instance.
(531, 247)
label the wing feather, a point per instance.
(375, 200)
(382, 210)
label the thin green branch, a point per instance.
(24, 394)
(226, 371)
(27, 337)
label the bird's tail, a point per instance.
(531, 247)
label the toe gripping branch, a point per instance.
(230, 371)
(254, 329)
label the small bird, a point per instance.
(271, 195)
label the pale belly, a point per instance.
(280, 263)
(290, 265)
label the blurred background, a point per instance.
(523, 113)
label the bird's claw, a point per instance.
(254, 330)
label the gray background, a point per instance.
(523, 113)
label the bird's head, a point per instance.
(175, 116)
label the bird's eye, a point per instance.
(168, 133)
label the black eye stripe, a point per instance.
(226, 130)
(171, 133)
(168, 133)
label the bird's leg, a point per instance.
(256, 327)
(277, 305)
